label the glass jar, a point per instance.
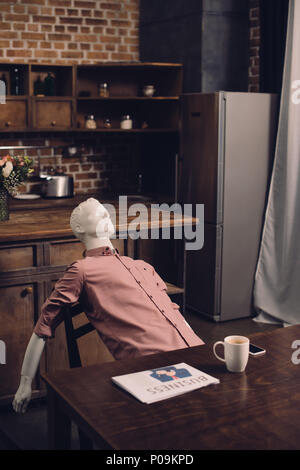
(103, 90)
(126, 122)
(107, 123)
(148, 91)
(90, 122)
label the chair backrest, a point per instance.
(72, 334)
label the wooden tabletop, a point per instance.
(54, 221)
(257, 409)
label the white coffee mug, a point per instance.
(236, 352)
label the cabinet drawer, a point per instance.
(17, 257)
(65, 252)
(13, 114)
(53, 114)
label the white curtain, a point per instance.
(277, 280)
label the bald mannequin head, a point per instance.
(90, 219)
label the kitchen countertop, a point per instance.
(51, 203)
(50, 218)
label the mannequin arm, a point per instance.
(30, 364)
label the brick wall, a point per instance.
(86, 31)
(69, 31)
(254, 42)
(106, 163)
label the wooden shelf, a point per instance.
(129, 98)
(132, 65)
(67, 110)
(16, 97)
(93, 131)
(52, 98)
(126, 131)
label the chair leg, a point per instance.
(84, 441)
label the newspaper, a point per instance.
(158, 384)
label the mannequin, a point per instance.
(93, 228)
(124, 299)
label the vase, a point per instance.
(4, 212)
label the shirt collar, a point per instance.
(101, 251)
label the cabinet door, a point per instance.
(13, 114)
(16, 326)
(53, 114)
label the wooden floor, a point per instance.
(28, 431)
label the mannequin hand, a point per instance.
(23, 395)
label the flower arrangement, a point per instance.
(14, 170)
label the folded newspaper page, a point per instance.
(154, 385)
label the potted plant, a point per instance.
(13, 171)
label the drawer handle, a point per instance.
(27, 291)
(53, 123)
(8, 123)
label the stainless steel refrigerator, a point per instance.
(227, 145)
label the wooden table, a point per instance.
(257, 409)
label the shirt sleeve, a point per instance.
(66, 291)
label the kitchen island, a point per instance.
(36, 245)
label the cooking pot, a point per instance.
(58, 186)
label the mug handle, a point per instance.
(214, 348)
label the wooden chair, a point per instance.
(72, 335)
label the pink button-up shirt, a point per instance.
(126, 302)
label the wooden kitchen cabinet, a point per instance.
(49, 113)
(14, 114)
(17, 318)
(25, 283)
(28, 273)
(77, 95)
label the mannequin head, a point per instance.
(91, 223)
